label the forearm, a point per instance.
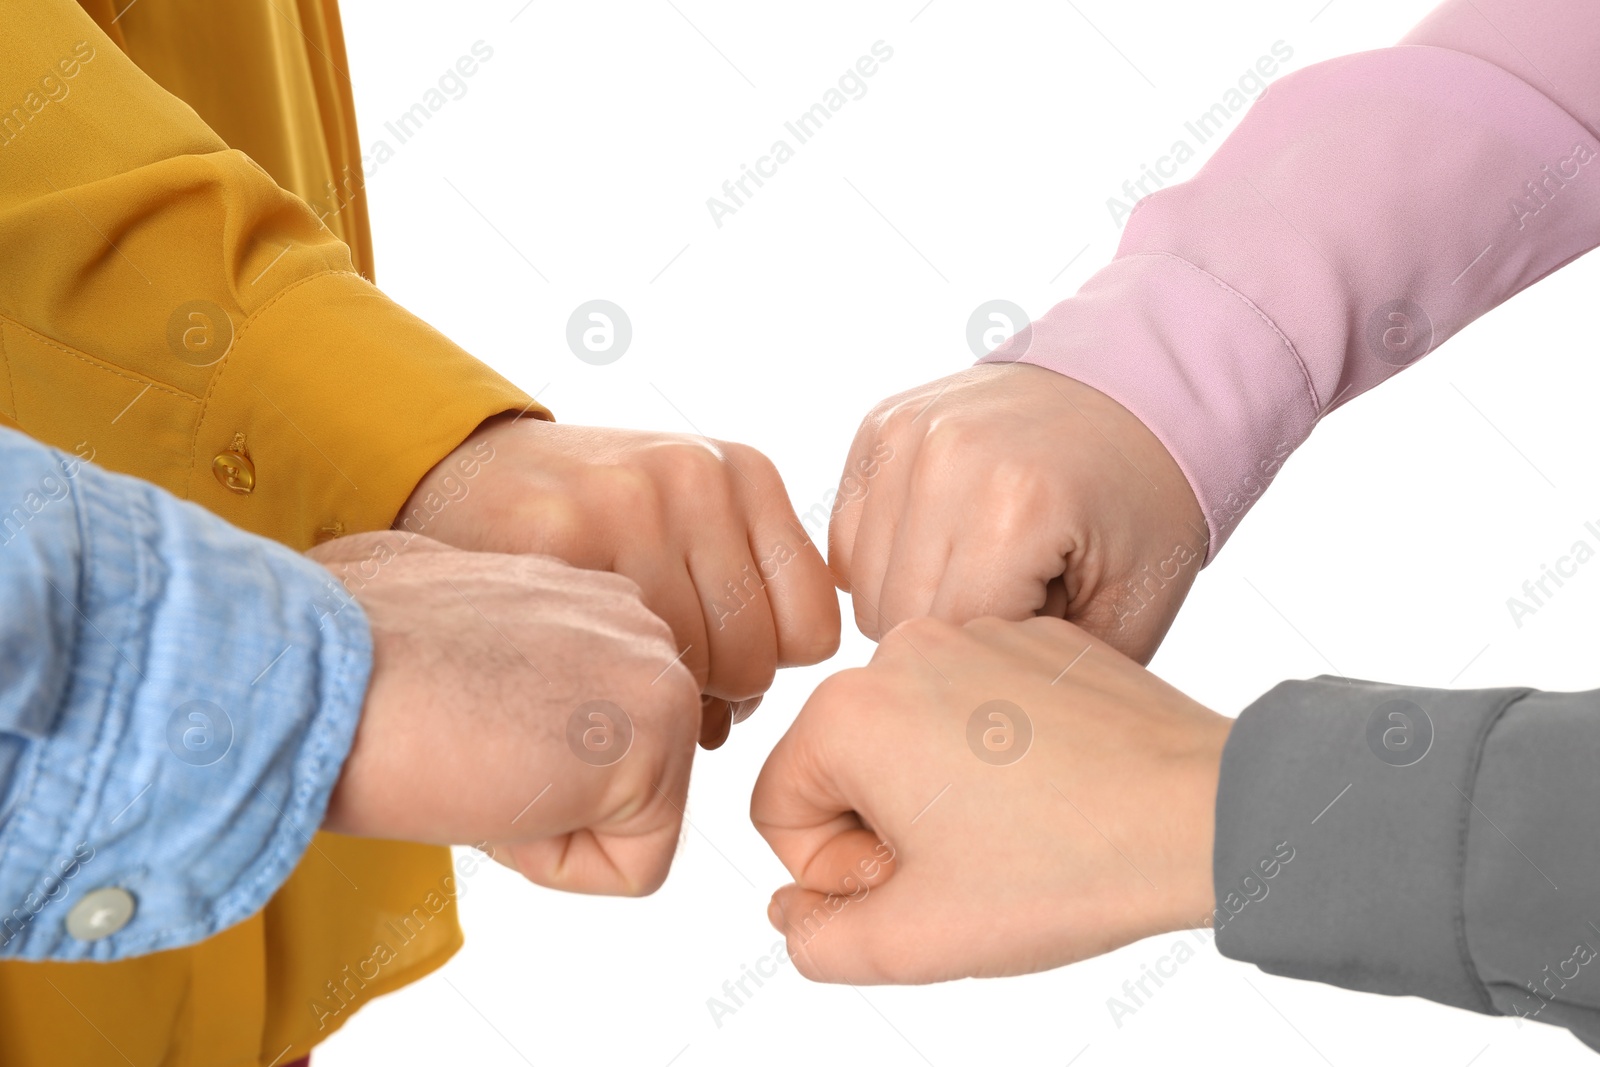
(1441, 840)
(178, 699)
(160, 281)
(1364, 211)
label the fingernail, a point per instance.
(715, 722)
(745, 708)
(775, 914)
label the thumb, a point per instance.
(1134, 614)
(877, 936)
(826, 934)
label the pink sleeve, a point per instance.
(1365, 210)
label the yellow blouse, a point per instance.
(185, 289)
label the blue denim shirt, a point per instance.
(175, 708)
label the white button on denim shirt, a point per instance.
(174, 711)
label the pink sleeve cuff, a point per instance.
(1365, 210)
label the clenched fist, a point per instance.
(704, 527)
(1011, 490)
(518, 700)
(988, 799)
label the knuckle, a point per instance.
(558, 527)
(694, 470)
(1049, 627)
(948, 438)
(653, 868)
(668, 699)
(908, 646)
(882, 421)
(814, 643)
(681, 696)
(619, 593)
(845, 694)
(625, 494)
(989, 626)
(950, 447)
(869, 619)
(753, 462)
(750, 681)
(899, 415)
(1018, 495)
(893, 423)
(623, 589)
(920, 629)
(624, 601)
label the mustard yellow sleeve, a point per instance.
(164, 303)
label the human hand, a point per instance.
(480, 718)
(704, 527)
(935, 835)
(1010, 490)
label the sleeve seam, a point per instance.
(121, 692)
(1407, 42)
(77, 816)
(1463, 949)
(282, 852)
(222, 369)
(15, 414)
(93, 362)
(1300, 364)
(13, 828)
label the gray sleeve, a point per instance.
(1420, 842)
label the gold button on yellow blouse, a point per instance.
(173, 306)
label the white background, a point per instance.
(584, 151)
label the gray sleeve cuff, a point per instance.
(1533, 864)
(1358, 798)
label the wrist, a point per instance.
(1227, 405)
(453, 479)
(1192, 895)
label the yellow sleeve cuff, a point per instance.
(330, 407)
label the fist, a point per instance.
(517, 700)
(1011, 490)
(704, 527)
(988, 799)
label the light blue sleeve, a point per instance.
(177, 698)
